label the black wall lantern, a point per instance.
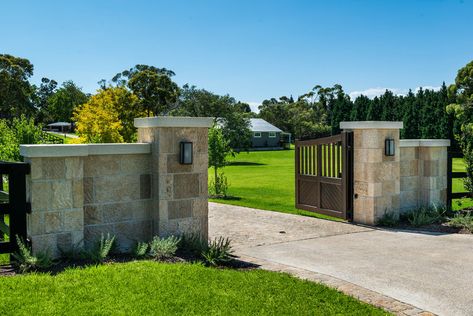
(185, 155)
(389, 147)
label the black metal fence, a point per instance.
(454, 175)
(13, 204)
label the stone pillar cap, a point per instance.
(173, 121)
(371, 125)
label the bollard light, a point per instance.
(389, 147)
(185, 156)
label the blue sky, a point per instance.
(252, 50)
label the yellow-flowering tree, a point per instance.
(108, 117)
(97, 121)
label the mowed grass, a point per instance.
(152, 288)
(265, 180)
(459, 165)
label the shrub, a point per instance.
(389, 219)
(218, 252)
(219, 186)
(25, 261)
(193, 244)
(140, 250)
(464, 221)
(102, 248)
(12, 134)
(426, 215)
(163, 248)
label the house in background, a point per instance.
(267, 136)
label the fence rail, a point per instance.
(454, 175)
(13, 204)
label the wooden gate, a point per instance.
(324, 175)
(13, 205)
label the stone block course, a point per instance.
(79, 193)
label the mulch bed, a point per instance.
(181, 257)
(434, 228)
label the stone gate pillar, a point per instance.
(179, 191)
(376, 175)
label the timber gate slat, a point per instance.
(13, 203)
(324, 175)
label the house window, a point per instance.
(272, 134)
(257, 134)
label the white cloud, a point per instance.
(376, 92)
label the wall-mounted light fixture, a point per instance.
(389, 147)
(185, 155)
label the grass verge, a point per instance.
(146, 287)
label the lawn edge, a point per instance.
(362, 294)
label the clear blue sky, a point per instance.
(252, 50)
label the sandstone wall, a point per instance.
(132, 191)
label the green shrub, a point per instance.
(102, 248)
(163, 248)
(389, 219)
(464, 221)
(140, 250)
(218, 252)
(193, 244)
(426, 215)
(219, 185)
(13, 133)
(25, 261)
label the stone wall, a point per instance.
(423, 172)
(181, 189)
(376, 176)
(133, 191)
(415, 176)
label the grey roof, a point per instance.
(260, 125)
(59, 124)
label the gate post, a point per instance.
(376, 176)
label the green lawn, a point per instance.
(265, 180)
(151, 288)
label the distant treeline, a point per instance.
(319, 112)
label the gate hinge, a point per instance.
(28, 207)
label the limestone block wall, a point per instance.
(78, 192)
(423, 172)
(376, 176)
(133, 191)
(181, 189)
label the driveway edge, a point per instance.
(367, 296)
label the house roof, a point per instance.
(260, 125)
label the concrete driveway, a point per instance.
(433, 272)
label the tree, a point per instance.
(463, 110)
(97, 121)
(360, 107)
(15, 89)
(61, 105)
(153, 86)
(41, 96)
(233, 121)
(219, 149)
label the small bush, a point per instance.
(193, 244)
(389, 219)
(219, 185)
(464, 221)
(426, 215)
(163, 248)
(25, 261)
(218, 252)
(140, 250)
(102, 248)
